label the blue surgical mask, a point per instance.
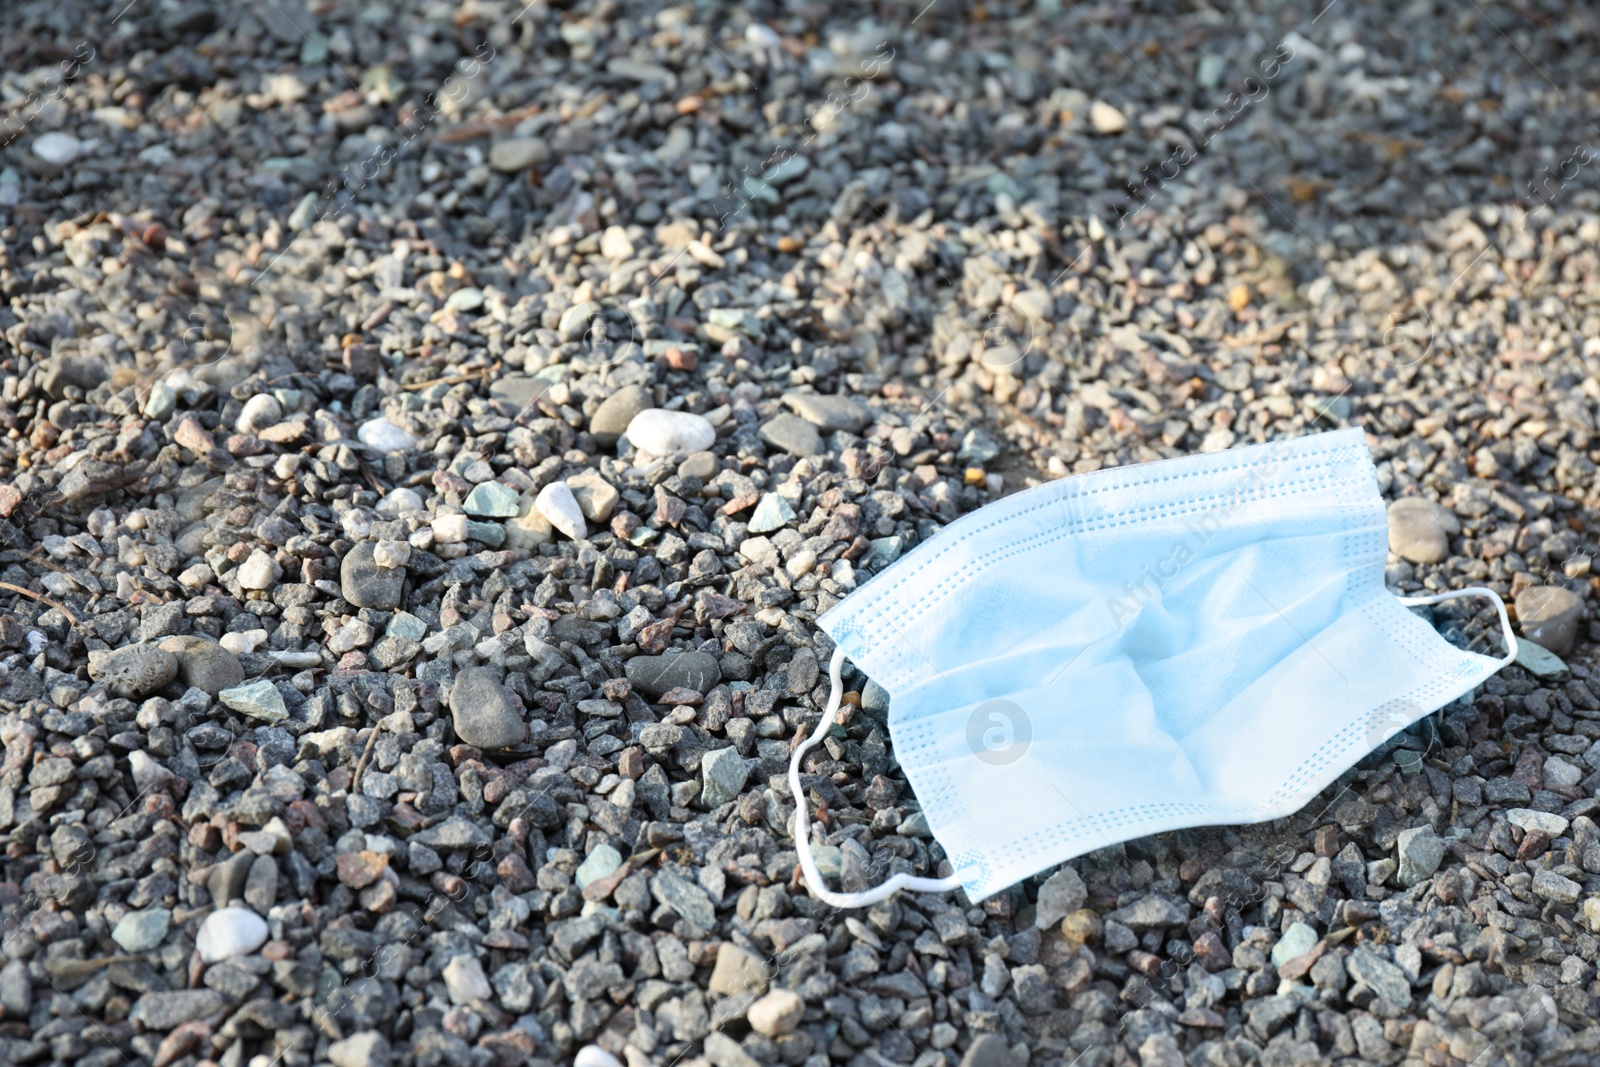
(1194, 642)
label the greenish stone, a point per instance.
(304, 214)
(404, 624)
(603, 861)
(1420, 851)
(828, 858)
(141, 931)
(468, 299)
(787, 170)
(1540, 661)
(259, 700)
(884, 551)
(756, 189)
(382, 85)
(492, 500)
(1295, 942)
(161, 402)
(741, 319)
(315, 49)
(723, 774)
(490, 533)
(772, 513)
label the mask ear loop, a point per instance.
(802, 818)
(1477, 590)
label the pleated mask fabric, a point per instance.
(1198, 641)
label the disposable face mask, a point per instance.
(1199, 641)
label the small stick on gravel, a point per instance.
(484, 127)
(41, 598)
(455, 379)
(29, 557)
(366, 754)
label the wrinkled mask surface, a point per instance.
(1199, 641)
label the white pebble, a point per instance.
(230, 932)
(242, 643)
(762, 36)
(1106, 119)
(666, 433)
(401, 500)
(614, 243)
(595, 1056)
(450, 529)
(260, 571)
(356, 523)
(392, 554)
(260, 411)
(465, 980)
(382, 434)
(352, 635)
(60, 148)
(556, 503)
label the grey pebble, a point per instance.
(610, 420)
(830, 413)
(365, 584)
(482, 712)
(723, 775)
(793, 435)
(133, 671)
(1549, 616)
(163, 1011)
(1420, 530)
(204, 663)
(655, 675)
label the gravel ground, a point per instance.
(364, 702)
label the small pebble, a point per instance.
(1549, 616)
(141, 931)
(515, 154)
(667, 433)
(60, 149)
(259, 700)
(133, 671)
(466, 982)
(777, 1013)
(557, 504)
(1420, 530)
(385, 436)
(259, 412)
(1106, 119)
(230, 932)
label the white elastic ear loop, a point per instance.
(1477, 590)
(802, 819)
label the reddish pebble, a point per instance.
(360, 869)
(677, 359)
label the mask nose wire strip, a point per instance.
(1477, 590)
(802, 818)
